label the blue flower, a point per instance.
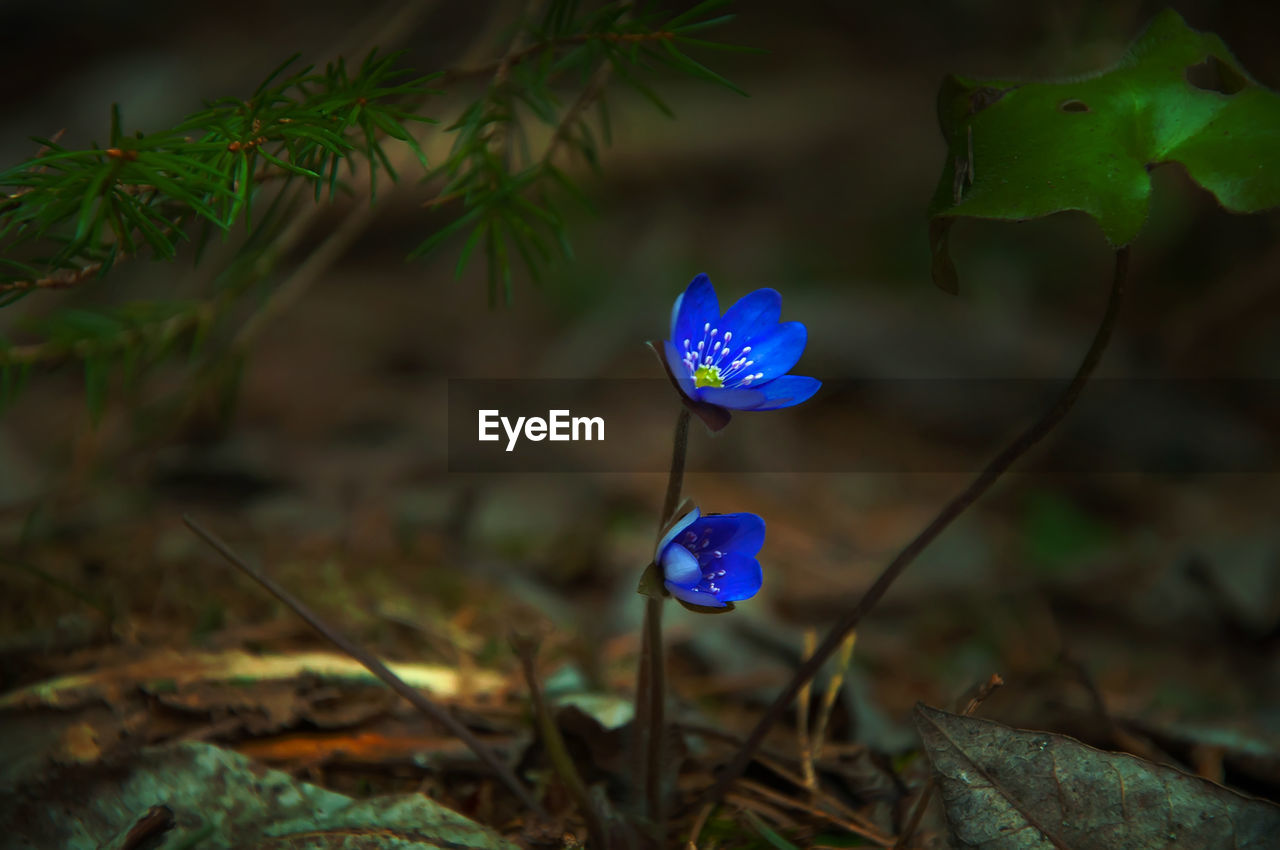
(711, 560)
(739, 360)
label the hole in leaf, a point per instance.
(1215, 75)
(1073, 105)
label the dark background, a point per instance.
(1162, 586)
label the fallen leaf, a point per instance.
(220, 799)
(170, 671)
(1011, 789)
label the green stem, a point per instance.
(997, 467)
(651, 680)
(557, 751)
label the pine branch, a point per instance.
(80, 213)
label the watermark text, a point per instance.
(559, 426)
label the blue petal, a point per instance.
(753, 315)
(732, 399)
(679, 567)
(787, 391)
(773, 354)
(694, 597)
(679, 370)
(742, 577)
(741, 532)
(679, 526)
(694, 309)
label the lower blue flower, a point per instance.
(711, 560)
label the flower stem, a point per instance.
(651, 680)
(675, 479)
(994, 469)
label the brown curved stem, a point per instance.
(997, 467)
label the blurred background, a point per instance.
(1145, 585)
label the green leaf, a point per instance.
(1021, 150)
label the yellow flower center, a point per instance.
(707, 376)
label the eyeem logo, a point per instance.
(559, 426)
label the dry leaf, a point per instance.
(1008, 789)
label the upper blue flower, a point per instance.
(711, 560)
(739, 360)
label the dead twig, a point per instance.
(370, 662)
(802, 718)
(874, 836)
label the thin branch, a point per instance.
(590, 94)
(60, 279)
(68, 278)
(802, 718)
(873, 835)
(160, 334)
(832, 694)
(304, 276)
(997, 467)
(370, 662)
